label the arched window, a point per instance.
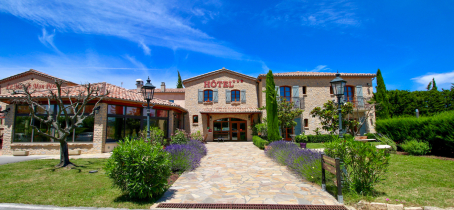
(285, 92)
(207, 95)
(235, 95)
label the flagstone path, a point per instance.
(239, 172)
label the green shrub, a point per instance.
(415, 147)
(364, 164)
(386, 140)
(180, 137)
(197, 136)
(156, 135)
(259, 142)
(139, 169)
(370, 135)
(437, 130)
(262, 128)
(320, 138)
(302, 138)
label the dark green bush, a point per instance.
(364, 164)
(301, 138)
(415, 147)
(320, 138)
(139, 169)
(370, 135)
(437, 130)
(259, 142)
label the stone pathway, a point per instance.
(239, 172)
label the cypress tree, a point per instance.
(271, 108)
(179, 83)
(434, 85)
(381, 98)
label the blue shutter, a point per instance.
(278, 96)
(359, 95)
(297, 128)
(296, 96)
(200, 96)
(215, 95)
(228, 95)
(243, 96)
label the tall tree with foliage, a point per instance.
(179, 83)
(271, 108)
(286, 114)
(381, 98)
(434, 85)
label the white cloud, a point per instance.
(145, 48)
(320, 68)
(313, 13)
(48, 40)
(135, 62)
(443, 80)
(154, 23)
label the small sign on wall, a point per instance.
(210, 131)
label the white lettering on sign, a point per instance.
(220, 84)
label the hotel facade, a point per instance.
(221, 104)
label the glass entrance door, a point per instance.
(239, 131)
(230, 129)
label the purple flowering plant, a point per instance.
(186, 157)
(304, 162)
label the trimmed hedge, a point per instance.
(320, 138)
(438, 130)
(259, 142)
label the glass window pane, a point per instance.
(22, 129)
(134, 111)
(225, 126)
(68, 108)
(152, 112)
(115, 128)
(84, 131)
(242, 126)
(132, 127)
(39, 110)
(115, 109)
(217, 126)
(236, 119)
(162, 113)
(242, 136)
(45, 129)
(235, 136)
(22, 109)
(153, 123)
(234, 127)
(162, 124)
(223, 119)
(89, 108)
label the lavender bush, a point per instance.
(304, 162)
(186, 157)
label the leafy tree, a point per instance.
(68, 116)
(381, 98)
(179, 83)
(271, 108)
(286, 114)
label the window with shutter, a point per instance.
(236, 95)
(215, 95)
(227, 96)
(243, 96)
(200, 96)
(207, 95)
(285, 92)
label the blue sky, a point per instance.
(121, 41)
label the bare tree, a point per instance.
(355, 120)
(73, 111)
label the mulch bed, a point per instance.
(428, 156)
(172, 178)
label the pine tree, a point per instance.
(434, 85)
(271, 108)
(381, 97)
(179, 83)
(429, 86)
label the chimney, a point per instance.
(163, 87)
(139, 84)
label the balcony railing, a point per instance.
(359, 102)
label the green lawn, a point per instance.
(416, 181)
(38, 182)
(314, 145)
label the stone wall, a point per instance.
(194, 107)
(177, 97)
(318, 93)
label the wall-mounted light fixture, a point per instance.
(211, 118)
(97, 109)
(5, 111)
(368, 85)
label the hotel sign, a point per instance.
(32, 86)
(221, 84)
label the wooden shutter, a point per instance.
(278, 96)
(296, 96)
(200, 96)
(359, 95)
(215, 95)
(228, 96)
(298, 126)
(243, 96)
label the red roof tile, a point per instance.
(32, 71)
(170, 90)
(318, 74)
(231, 110)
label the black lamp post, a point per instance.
(148, 92)
(338, 85)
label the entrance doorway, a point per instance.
(287, 132)
(232, 129)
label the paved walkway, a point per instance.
(239, 172)
(5, 159)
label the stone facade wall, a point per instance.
(177, 97)
(194, 107)
(318, 93)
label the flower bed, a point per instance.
(304, 162)
(186, 157)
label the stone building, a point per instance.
(221, 104)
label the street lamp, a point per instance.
(148, 92)
(338, 85)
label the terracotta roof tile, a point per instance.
(32, 71)
(318, 74)
(171, 90)
(231, 110)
